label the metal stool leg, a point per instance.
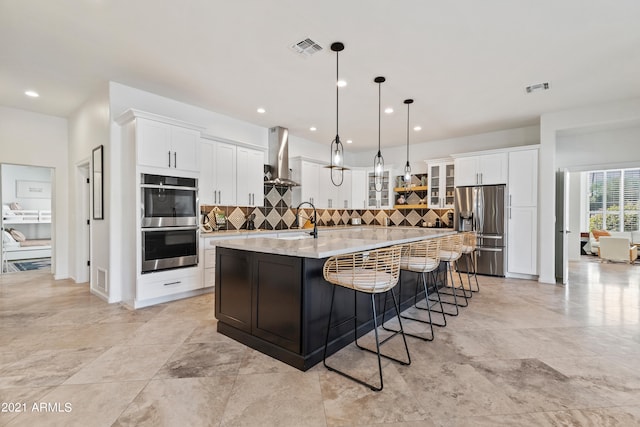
(377, 339)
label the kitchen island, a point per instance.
(271, 296)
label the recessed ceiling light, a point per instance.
(261, 110)
(32, 93)
(349, 141)
(341, 83)
(388, 110)
(313, 129)
(417, 128)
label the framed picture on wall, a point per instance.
(98, 182)
(33, 189)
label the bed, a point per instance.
(15, 246)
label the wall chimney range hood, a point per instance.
(279, 157)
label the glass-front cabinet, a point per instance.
(378, 199)
(441, 184)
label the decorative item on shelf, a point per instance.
(337, 150)
(407, 167)
(378, 161)
(401, 200)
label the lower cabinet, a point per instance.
(522, 241)
(260, 294)
(164, 283)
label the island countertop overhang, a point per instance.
(337, 241)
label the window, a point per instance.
(614, 200)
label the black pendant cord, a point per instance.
(339, 150)
(408, 133)
(337, 96)
(379, 114)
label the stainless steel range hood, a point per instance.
(279, 157)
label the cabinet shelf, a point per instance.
(410, 189)
(417, 206)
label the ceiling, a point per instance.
(465, 63)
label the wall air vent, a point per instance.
(537, 87)
(306, 47)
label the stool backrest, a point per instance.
(371, 271)
(421, 256)
(470, 240)
(451, 247)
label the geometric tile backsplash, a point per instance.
(277, 213)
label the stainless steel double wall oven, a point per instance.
(169, 222)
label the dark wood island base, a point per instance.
(279, 305)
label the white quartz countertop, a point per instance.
(333, 240)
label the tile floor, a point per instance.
(522, 354)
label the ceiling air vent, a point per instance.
(306, 47)
(537, 87)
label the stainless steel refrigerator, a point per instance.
(482, 209)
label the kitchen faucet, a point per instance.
(314, 233)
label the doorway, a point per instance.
(27, 240)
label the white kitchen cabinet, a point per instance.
(522, 248)
(250, 181)
(344, 191)
(481, 169)
(167, 146)
(441, 183)
(331, 196)
(522, 212)
(358, 189)
(523, 177)
(307, 174)
(217, 185)
(379, 199)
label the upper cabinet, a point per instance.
(231, 175)
(167, 146)
(358, 189)
(250, 177)
(481, 169)
(307, 174)
(218, 178)
(441, 182)
(379, 199)
(523, 178)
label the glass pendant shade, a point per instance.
(407, 167)
(378, 160)
(337, 150)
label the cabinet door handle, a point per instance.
(219, 196)
(169, 152)
(509, 199)
(173, 283)
(175, 159)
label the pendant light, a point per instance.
(337, 150)
(378, 161)
(407, 167)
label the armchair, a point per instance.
(617, 249)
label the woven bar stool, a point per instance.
(469, 242)
(450, 252)
(422, 257)
(370, 272)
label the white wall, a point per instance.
(620, 114)
(609, 148)
(39, 140)
(419, 152)
(13, 173)
(89, 128)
